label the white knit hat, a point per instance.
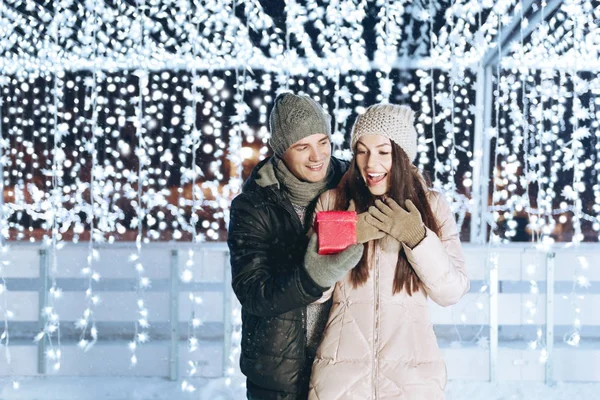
(392, 121)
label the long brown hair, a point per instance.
(406, 182)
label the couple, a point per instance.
(352, 325)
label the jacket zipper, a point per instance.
(287, 206)
(304, 344)
(375, 367)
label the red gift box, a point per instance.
(336, 230)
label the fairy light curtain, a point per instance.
(139, 120)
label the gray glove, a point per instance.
(327, 269)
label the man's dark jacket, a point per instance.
(267, 242)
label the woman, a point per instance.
(379, 342)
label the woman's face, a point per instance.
(374, 161)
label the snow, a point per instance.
(521, 391)
(78, 388)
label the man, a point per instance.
(276, 272)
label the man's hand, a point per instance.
(326, 270)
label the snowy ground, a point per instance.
(66, 388)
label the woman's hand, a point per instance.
(405, 226)
(365, 232)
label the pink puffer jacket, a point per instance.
(382, 346)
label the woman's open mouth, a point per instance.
(375, 178)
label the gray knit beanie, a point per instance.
(293, 118)
(392, 121)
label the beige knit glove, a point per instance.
(405, 226)
(365, 232)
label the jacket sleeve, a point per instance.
(439, 261)
(264, 289)
(324, 203)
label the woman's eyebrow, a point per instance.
(381, 145)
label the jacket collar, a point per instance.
(263, 175)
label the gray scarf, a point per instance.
(299, 192)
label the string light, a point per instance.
(88, 318)
(141, 324)
(194, 140)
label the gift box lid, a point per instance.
(336, 216)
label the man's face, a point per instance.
(308, 158)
